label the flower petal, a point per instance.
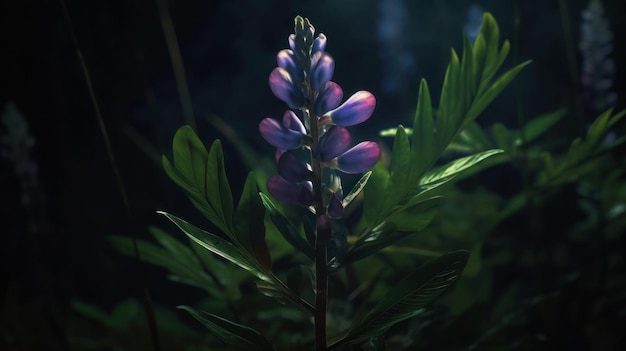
(289, 193)
(291, 121)
(358, 108)
(292, 169)
(359, 158)
(279, 135)
(292, 42)
(335, 207)
(332, 144)
(322, 68)
(284, 88)
(328, 98)
(319, 44)
(287, 60)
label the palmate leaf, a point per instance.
(235, 335)
(407, 298)
(456, 167)
(202, 176)
(356, 189)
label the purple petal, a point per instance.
(291, 121)
(332, 144)
(292, 169)
(287, 60)
(328, 98)
(292, 42)
(358, 108)
(319, 44)
(335, 207)
(278, 135)
(322, 68)
(289, 193)
(278, 153)
(359, 158)
(284, 88)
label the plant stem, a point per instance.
(321, 281)
(321, 241)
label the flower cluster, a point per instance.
(316, 122)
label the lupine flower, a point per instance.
(317, 98)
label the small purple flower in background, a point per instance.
(303, 81)
(598, 68)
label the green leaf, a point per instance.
(494, 90)
(236, 335)
(375, 194)
(502, 136)
(221, 247)
(249, 222)
(288, 231)
(202, 176)
(399, 174)
(416, 217)
(182, 268)
(422, 139)
(455, 167)
(407, 298)
(356, 189)
(540, 124)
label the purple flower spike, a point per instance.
(322, 68)
(335, 207)
(279, 135)
(292, 169)
(284, 88)
(319, 44)
(359, 158)
(291, 121)
(289, 193)
(328, 98)
(332, 144)
(287, 60)
(358, 108)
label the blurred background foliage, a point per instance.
(545, 224)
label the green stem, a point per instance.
(323, 235)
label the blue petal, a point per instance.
(291, 121)
(335, 207)
(287, 60)
(359, 159)
(328, 98)
(332, 144)
(278, 135)
(284, 88)
(322, 68)
(319, 44)
(358, 108)
(292, 42)
(292, 169)
(289, 193)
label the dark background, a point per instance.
(54, 251)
